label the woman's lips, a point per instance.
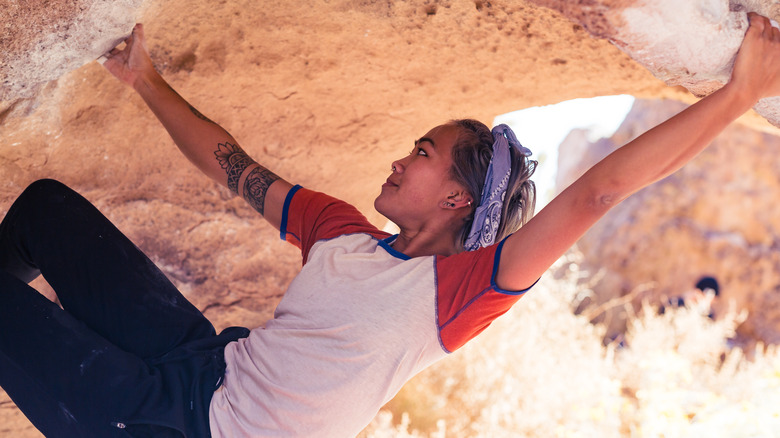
(389, 183)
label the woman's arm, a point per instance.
(207, 145)
(649, 158)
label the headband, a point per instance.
(487, 216)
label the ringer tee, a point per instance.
(358, 321)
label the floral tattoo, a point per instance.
(235, 161)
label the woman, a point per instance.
(130, 357)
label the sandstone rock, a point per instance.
(691, 44)
(715, 217)
(41, 41)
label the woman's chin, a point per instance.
(380, 205)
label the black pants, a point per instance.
(128, 355)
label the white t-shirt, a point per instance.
(357, 322)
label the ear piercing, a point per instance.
(452, 204)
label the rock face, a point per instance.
(715, 217)
(691, 44)
(41, 41)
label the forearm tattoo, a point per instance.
(256, 186)
(199, 115)
(192, 108)
(235, 161)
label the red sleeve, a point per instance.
(309, 216)
(468, 299)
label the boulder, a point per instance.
(42, 41)
(691, 44)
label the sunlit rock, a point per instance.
(43, 40)
(690, 43)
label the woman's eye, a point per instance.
(418, 150)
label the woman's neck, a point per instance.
(424, 243)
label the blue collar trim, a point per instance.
(386, 242)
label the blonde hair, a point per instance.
(471, 156)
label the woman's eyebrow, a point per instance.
(422, 139)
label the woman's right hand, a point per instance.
(132, 62)
(648, 158)
(756, 71)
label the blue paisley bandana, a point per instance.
(487, 216)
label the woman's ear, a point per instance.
(457, 199)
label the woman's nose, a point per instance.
(400, 164)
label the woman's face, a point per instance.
(421, 182)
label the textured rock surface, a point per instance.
(41, 41)
(690, 44)
(716, 217)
